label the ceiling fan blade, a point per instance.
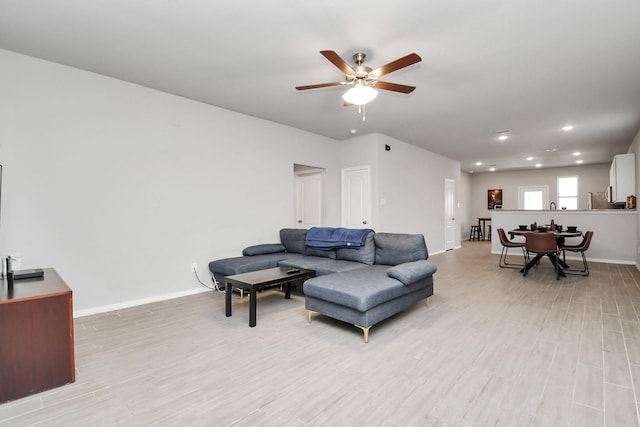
(337, 61)
(394, 87)
(405, 61)
(319, 85)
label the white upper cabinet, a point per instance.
(622, 178)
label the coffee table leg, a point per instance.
(227, 299)
(252, 307)
(287, 290)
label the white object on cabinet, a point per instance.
(622, 178)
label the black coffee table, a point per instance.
(256, 280)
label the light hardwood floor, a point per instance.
(493, 349)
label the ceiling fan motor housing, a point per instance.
(362, 71)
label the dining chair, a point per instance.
(506, 244)
(581, 248)
(541, 244)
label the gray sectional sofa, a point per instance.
(359, 285)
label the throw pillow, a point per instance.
(266, 248)
(411, 272)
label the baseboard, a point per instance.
(133, 303)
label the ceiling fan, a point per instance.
(363, 79)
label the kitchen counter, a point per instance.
(614, 230)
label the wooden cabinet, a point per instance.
(36, 336)
(622, 178)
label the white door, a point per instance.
(533, 198)
(356, 197)
(449, 214)
(309, 199)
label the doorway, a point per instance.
(309, 196)
(356, 197)
(533, 198)
(449, 214)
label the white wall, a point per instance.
(120, 188)
(465, 218)
(411, 191)
(635, 148)
(407, 185)
(591, 178)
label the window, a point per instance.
(568, 192)
(533, 198)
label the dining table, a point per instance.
(560, 236)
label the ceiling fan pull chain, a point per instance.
(361, 110)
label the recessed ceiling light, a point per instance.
(503, 134)
(353, 131)
(538, 165)
(550, 150)
(529, 158)
(579, 161)
(577, 153)
(492, 168)
(478, 163)
(567, 128)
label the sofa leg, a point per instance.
(309, 312)
(366, 332)
(426, 301)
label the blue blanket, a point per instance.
(329, 237)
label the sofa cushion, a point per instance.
(359, 289)
(396, 248)
(365, 254)
(328, 253)
(410, 272)
(293, 239)
(245, 264)
(322, 266)
(265, 248)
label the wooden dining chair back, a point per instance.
(506, 244)
(580, 248)
(542, 244)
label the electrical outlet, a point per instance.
(194, 267)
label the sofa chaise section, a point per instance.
(401, 277)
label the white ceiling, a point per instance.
(487, 65)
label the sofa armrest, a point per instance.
(410, 272)
(265, 248)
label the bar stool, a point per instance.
(489, 235)
(476, 233)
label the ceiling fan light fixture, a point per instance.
(360, 94)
